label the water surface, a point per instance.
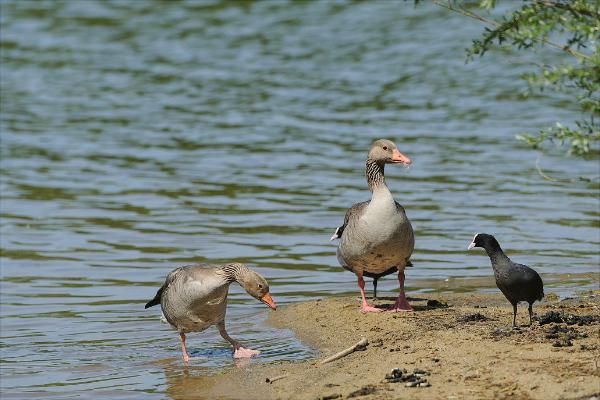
(140, 136)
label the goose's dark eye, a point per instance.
(385, 147)
(259, 286)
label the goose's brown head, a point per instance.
(256, 286)
(385, 151)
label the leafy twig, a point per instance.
(478, 17)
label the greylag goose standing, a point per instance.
(377, 238)
(517, 282)
(194, 297)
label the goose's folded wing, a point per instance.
(353, 214)
(170, 278)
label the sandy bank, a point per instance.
(468, 348)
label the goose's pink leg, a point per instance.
(401, 303)
(238, 350)
(365, 306)
(184, 353)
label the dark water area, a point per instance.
(139, 136)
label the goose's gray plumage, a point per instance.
(377, 237)
(194, 297)
(517, 282)
(355, 212)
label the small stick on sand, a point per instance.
(276, 378)
(361, 345)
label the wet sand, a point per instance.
(464, 344)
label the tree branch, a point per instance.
(568, 7)
(478, 17)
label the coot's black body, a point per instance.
(517, 282)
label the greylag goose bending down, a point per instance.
(377, 238)
(517, 282)
(194, 297)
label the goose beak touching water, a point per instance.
(194, 297)
(376, 238)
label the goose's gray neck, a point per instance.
(375, 174)
(233, 272)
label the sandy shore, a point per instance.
(463, 343)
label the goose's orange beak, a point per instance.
(398, 157)
(268, 301)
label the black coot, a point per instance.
(517, 282)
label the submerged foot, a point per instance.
(241, 352)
